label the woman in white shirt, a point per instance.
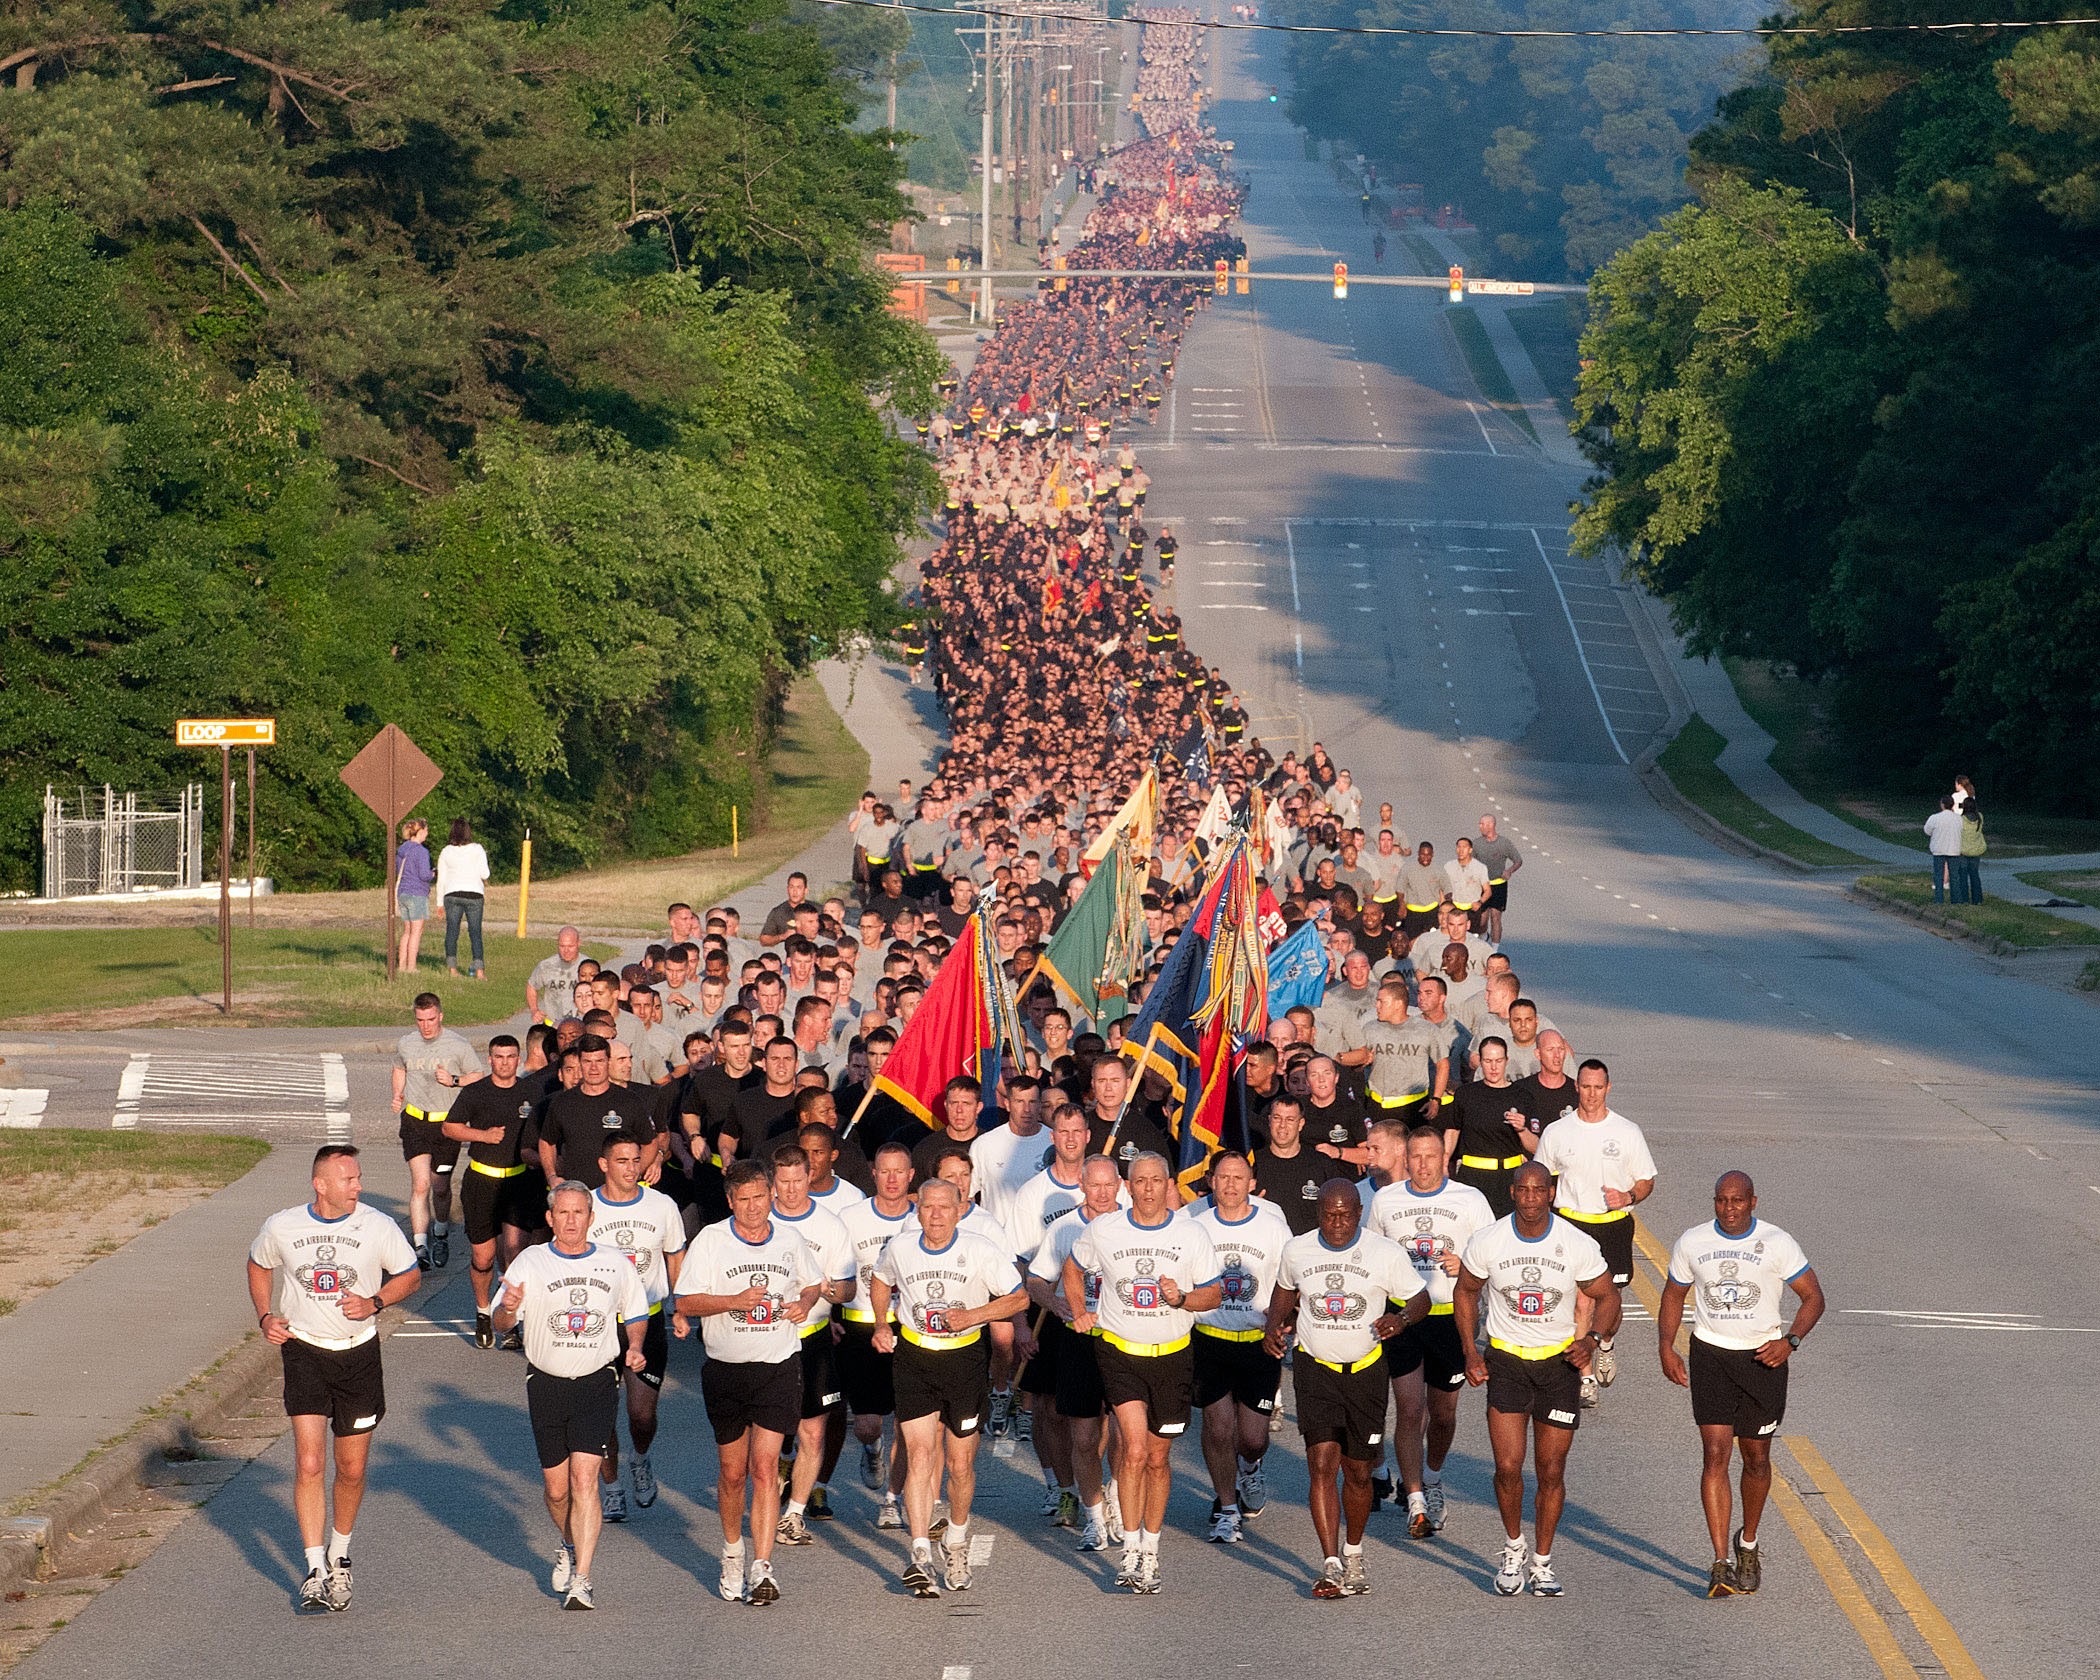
(462, 877)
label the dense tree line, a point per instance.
(1563, 151)
(1843, 402)
(510, 372)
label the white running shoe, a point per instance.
(1225, 1529)
(339, 1584)
(1544, 1583)
(890, 1516)
(1509, 1579)
(731, 1585)
(1053, 1501)
(918, 1576)
(564, 1569)
(1112, 1508)
(765, 1587)
(643, 1474)
(1127, 1570)
(313, 1591)
(1589, 1389)
(1148, 1581)
(1433, 1502)
(578, 1597)
(1252, 1485)
(1355, 1580)
(1605, 1363)
(1329, 1584)
(955, 1568)
(1094, 1537)
(791, 1530)
(612, 1499)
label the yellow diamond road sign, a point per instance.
(226, 732)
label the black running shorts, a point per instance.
(741, 1395)
(571, 1415)
(864, 1374)
(1729, 1386)
(1548, 1391)
(1431, 1347)
(427, 1137)
(1078, 1393)
(1165, 1382)
(1343, 1406)
(1615, 1237)
(820, 1374)
(1039, 1375)
(956, 1383)
(343, 1385)
(656, 1353)
(487, 1204)
(1245, 1372)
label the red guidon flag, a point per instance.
(956, 1029)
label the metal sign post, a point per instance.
(392, 775)
(226, 734)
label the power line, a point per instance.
(1968, 27)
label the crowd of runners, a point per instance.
(1428, 1190)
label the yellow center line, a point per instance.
(1859, 1611)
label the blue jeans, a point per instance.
(1968, 880)
(458, 906)
(1942, 890)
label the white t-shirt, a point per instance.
(722, 1262)
(978, 1223)
(643, 1231)
(826, 1235)
(574, 1306)
(1040, 1206)
(319, 1261)
(1468, 882)
(1001, 1162)
(1248, 1250)
(1052, 1253)
(1430, 1227)
(1531, 1286)
(1342, 1292)
(462, 869)
(929, 1283)
(839, 1197)
(1590, 1157)
(1737, 1284)
(869, 1229)
(1133, 1260)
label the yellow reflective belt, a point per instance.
(1218, 1335)
(1397, 1102)
(1531, 1353)
(655, 1308)
(1498, 880)
(1595, 1218)
(418, 1114)
(1423, 909)
(1441, 1309)
(937, 1344)
(809, 1330)
(488, 1171)
(1491, 1163)
(1142, 1350)
(1363, 1364)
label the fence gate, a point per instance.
(122, 842)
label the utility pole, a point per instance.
(984, 254)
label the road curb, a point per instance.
(1664, 792)
(1938, 921)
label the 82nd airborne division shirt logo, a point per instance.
(578, 1319)
(1337, 1303)
(1141, 1293)
(324, 1276)
(1530, 1298)
(766, 1311)
(1730, 1293)
(1238, 1282)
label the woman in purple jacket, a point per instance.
(413, 875)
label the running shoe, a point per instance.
(1112, 1506)
(1433, 1498)
(422, 1259)
(1748, 1564)
(820, 1504)
(1419, 1526)
(313, 1591)
(1544, 1583)
(1590, 1389)
(871, 1466)
(1024, 1426)
(1605, 1363)
(1127, 1570)
(644, 1478)
(764, 1588)
(1355, 1580)
(1253, 1487)
(731, 1585)
(791, 1530)
(578, 1597)
(339, 1584)
(918, 1575)
(1509, 1579)
(1094, 1537)
(1225, 1529)
(564, 1569)
(484, 1331)
(1069, 1513)
(938, 1524)
(513, 1340)
(1329, 1585)
(890, 1516)
(612, 1498)
(1720, 1579)
(440, 1252)
(1002, 1413)
(1148, 1581)
(1381, 1489)
(1053, 1502)
(955, 1567)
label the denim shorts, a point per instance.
(415, 907)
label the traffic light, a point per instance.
(1272, 99)
(1061, 283)
(1241, 284)
(1217, 281)
(1458, 284)
(1341, 280)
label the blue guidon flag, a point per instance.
(1298, 971)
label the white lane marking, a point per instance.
(1290, 545)
(130, 1088)
(980, 1552)
(1925, 1319)
(1482, 424)
(302, 1094)
(956, 1671)
(1230, 606)
(1579, 654)
(23, 1107)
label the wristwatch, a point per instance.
(1792, 1340)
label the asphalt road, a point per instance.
(1370, 554)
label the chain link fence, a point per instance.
(110, 842)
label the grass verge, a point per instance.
(1551, 333)
(1689, 763)
(2081, 886)
(1994, 918)
(1488, 372)
(1812, 755)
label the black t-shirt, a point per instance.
(1477, 1110)
(1341, 1124)
(1294, 1184)
(1254, 1110)
(927, 1149)
(1544, 1106)
(485, 1103)
(758, 1118)
(853, 1166)
(711, 1094)
(1141, 1131)
(579, 1126)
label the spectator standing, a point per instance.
(1968, 867)
(1943, 840)
(412, 879)
(462, 878)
